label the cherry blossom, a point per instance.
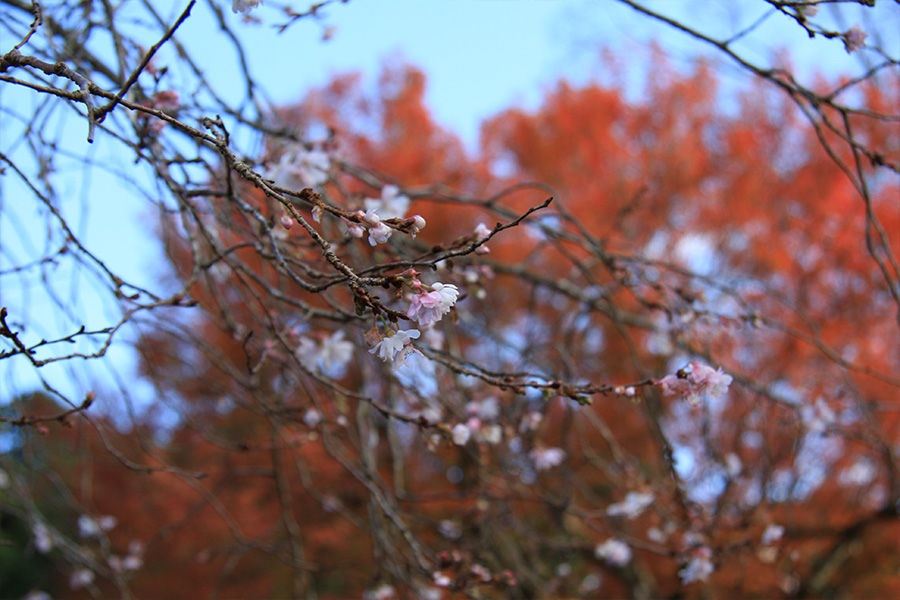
(634, 504)
(808, 10)
(312, 417)
(615, 552)
(428, 308)
(81, 578)
(301, 168)
(854, 39)
(547, 458)
(331, 357)
(335, 353)
(491, 434)
(392, 203)
(699, 567)
(388, 347)
(418, 225)
(695, 381)
(88, 527)
(379, 234)
(461, 434)
(772, 534)
(244, 6)
(43, 539)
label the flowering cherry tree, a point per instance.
(629, 347)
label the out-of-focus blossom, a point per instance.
(450, 529)
(808, 10)
(854, 39)
(481, 232)
(530, 422)
(391, 205)
(388, 347)
(88, 527)
(43, 539)
(335, 353)
(615, 552)
(818, 417)
(772, 534)
(699, 567)
(441, 580)
(486, 409)
(81, 578)
(461, 434)
(733, 465)
(655, 534)
(634, 504)
(547, 458)
(301, 168)
(244, 6)
(312, 417)
(382, 592)
(481, 572)
(492, 434)
(331, 357)
(428, 308)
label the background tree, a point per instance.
(632, 347)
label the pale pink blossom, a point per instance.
(481, 232)
(547, 458)
(854, 39)
(695, 381)
(418, 225)
(388, 347)
(428, 308)
(379, 234)
(356, 231)
(615, 552)
(370, 217)
(392, 203)
(634, 504)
